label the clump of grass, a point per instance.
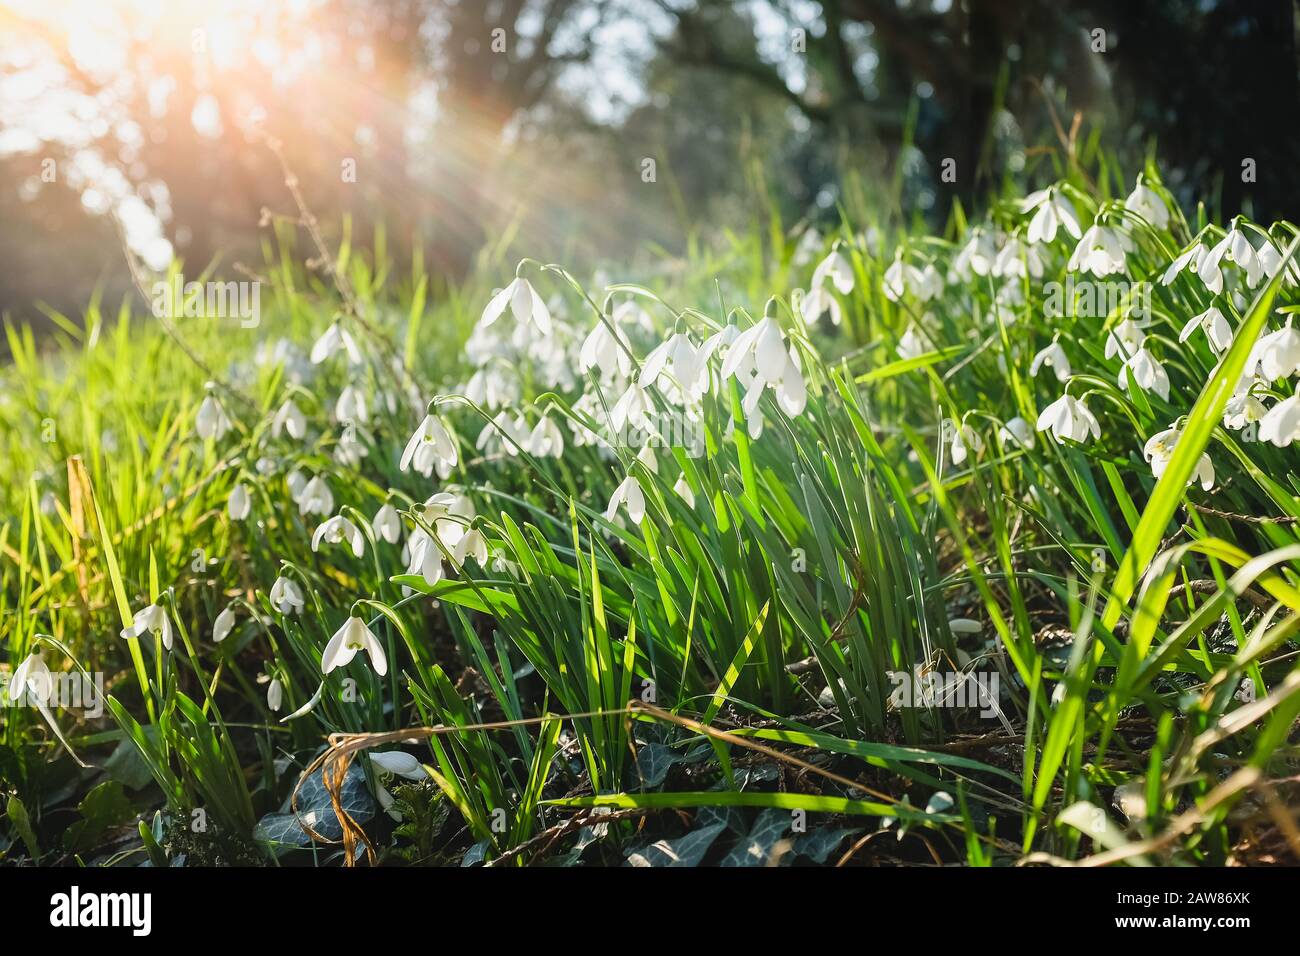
(451, 583)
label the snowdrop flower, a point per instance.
(336, 530)
(676, 357)
(1281, 424)
(399, 764)
(424, 557)
(431, 444)
(211, 420)
(1146, 202)
(1159, 449)
(152, 619)
(316, 498)
(349, 450)
(1233, 247)
(296, 481)
(274, 695)
(223, 625)
(1101, 251)
(1242, 409)
(1146, 373)
(819, 302)
(1191, 256)
(491, 388)
(899, 277)
(629, 493)
(1053, 357)
(240, 503)
(546, 439)
(335, 338)
(286, 597)
(835, 268)
(1216, 327)
(606, 350)
(1054, 211)
(31, 678)
(289, 417)
(1017, 259)
(965, 439)
(1277, 354)
(763, 347)
(1017, 430)
(387, 524)
(683, 490)
(810, 241)
(1067, 417)
(977, 256)
(910, 345)
(1125, 339)
(472, 544)
(353, 636)
(525, 304)
(351, 406)
(632, 408)
(508, 434)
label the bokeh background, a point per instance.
(466, 125)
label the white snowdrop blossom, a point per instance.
(31, 679)
(399, 764)
(683, 490)
(1190, 256)
(1159, 449)
(353, 636)
(1276, 355)
(152, 619)
(910, 345)
(315, 498)
(1146, 202)
(528, 308)
(545, 440)
(1216, 327)
(1234, 247)
(1281, 423)
(286, 597)
(337, 530)
(223, 625)
(677, 358)
(274, 695)
(978, 256)
(289, 418)
(1146, 373)
(762, 348)
(1017, 431)
(430, 445)
(472, 544)
(1053, 357)
(1102, 251)
(387, 524)
(1242, 409)
(335, 338)
(1018, 260)
(964, 440)
(1125, 339)
(632, 408)
(351, 406)
(1068, 417)
(818, 302)
(627, 493)
(607, 350)
(836, 269)
(1053, 211)
(211, 420)
(240, 503)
